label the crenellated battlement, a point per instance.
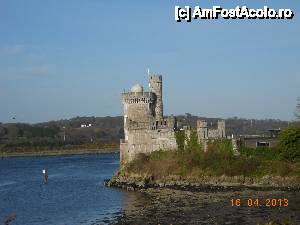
(133, 98)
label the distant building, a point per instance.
(84, 125)
(255, 141)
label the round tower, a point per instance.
(155, 84)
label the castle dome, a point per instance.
(137, 88)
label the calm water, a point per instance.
(74, 195)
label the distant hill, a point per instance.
(238, 126)
(105, 131)
(62, 133)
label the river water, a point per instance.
(75, 195)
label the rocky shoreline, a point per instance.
(133, 182)
(175, 200)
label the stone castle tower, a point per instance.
(145, 127)
(155, 85)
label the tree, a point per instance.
(297, 113)
(192, 141)
(289, 143)
(180, 139)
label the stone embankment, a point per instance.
(130, 181)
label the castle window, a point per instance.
(204, 133)
(160, 122)
(165, 122)
(262, 144)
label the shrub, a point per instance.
(244, 166)
(262, 152)
(192, 142)
(276, 167)
(289, 143)
(180, 139)
(223, 147)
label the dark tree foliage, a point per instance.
(289, 143)
(103, 130)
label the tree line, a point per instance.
(68, 133)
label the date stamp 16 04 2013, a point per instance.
(258, 202)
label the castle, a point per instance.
(145, 127)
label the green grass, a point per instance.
(262, 152)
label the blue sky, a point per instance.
(63, 58)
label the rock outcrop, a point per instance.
(131, 181)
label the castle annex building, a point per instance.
(146, 129)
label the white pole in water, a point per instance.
(45, 173)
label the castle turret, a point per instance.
(155, 84)
(202, 129)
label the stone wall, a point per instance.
(147, 141)
(206, 132)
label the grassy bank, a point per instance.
(218, 160)
(58, 152)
